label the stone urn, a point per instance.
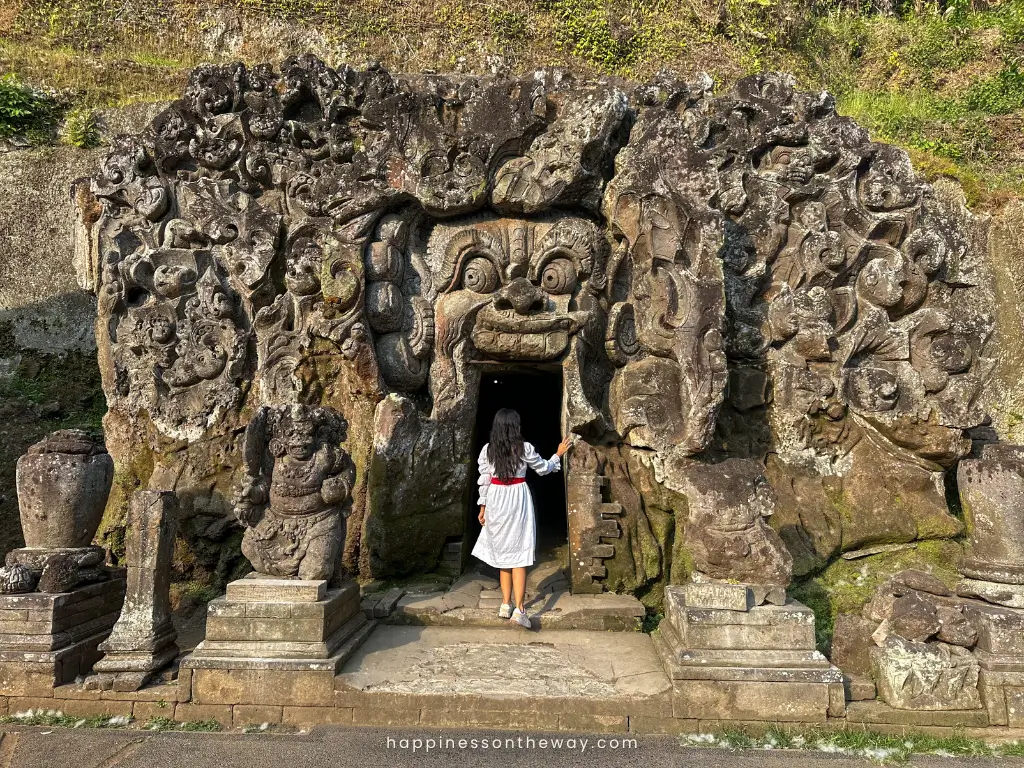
(63, 484)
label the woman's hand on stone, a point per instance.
(563, 447)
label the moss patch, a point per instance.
(845, 586)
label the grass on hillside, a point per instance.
(940, 78)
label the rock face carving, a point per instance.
(731, 286)
(293, 498)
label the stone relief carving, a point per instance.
(742, 278)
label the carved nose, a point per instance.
(521, 295)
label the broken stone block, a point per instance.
(915, 675)
(1000, 629)
(387, 602)
(1010, 595)
(851, 642)
(913, 617)
(954, 626)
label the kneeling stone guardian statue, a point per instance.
(296, 493)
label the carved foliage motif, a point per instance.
(849, 276)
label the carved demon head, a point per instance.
(518, 289)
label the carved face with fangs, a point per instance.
(520, 289)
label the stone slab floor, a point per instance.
(474, 598)
(369, 747)
(499, 662)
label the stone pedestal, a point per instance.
(143, 640)
(281, 624)
(992, 496)
(730, 659)
(50, 639)
(1000, 656)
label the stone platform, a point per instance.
(281, 624)
(50, 639)
(473, 601)
(491, 677)
(747, 661)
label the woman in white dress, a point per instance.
(508, 538)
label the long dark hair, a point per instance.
(505, 450)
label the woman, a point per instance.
(509, 535)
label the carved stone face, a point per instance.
(524, 284)
(301, 439)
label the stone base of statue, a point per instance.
(269, 623)
(730, 658)
(130, 660)
(49, 639)
(1000, 656)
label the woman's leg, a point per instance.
(505, 577)
(519, 585)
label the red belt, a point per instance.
(510, 481)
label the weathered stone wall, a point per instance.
(397, 422)
(48, 373)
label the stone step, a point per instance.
(560, 610)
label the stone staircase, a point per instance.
(473, 600)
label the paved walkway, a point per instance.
(502, 662)
(370, 747)
(473, 601)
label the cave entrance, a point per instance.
(536, 392)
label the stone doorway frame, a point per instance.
(527, 368)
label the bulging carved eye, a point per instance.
(480, 275)
(559, 276)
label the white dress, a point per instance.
(508, 538)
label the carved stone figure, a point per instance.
(732, 286)
(295, 494)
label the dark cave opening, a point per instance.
(536, 393)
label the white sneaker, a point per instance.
(505, 612)
(521, 619)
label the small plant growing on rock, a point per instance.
(81, 129)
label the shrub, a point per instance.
(24, 110)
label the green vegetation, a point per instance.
(54, 717)
(845, 586)
(876, 747)
(942, 78)
(80, 128)
(167, 724)
(651, 621)
(24, 110)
